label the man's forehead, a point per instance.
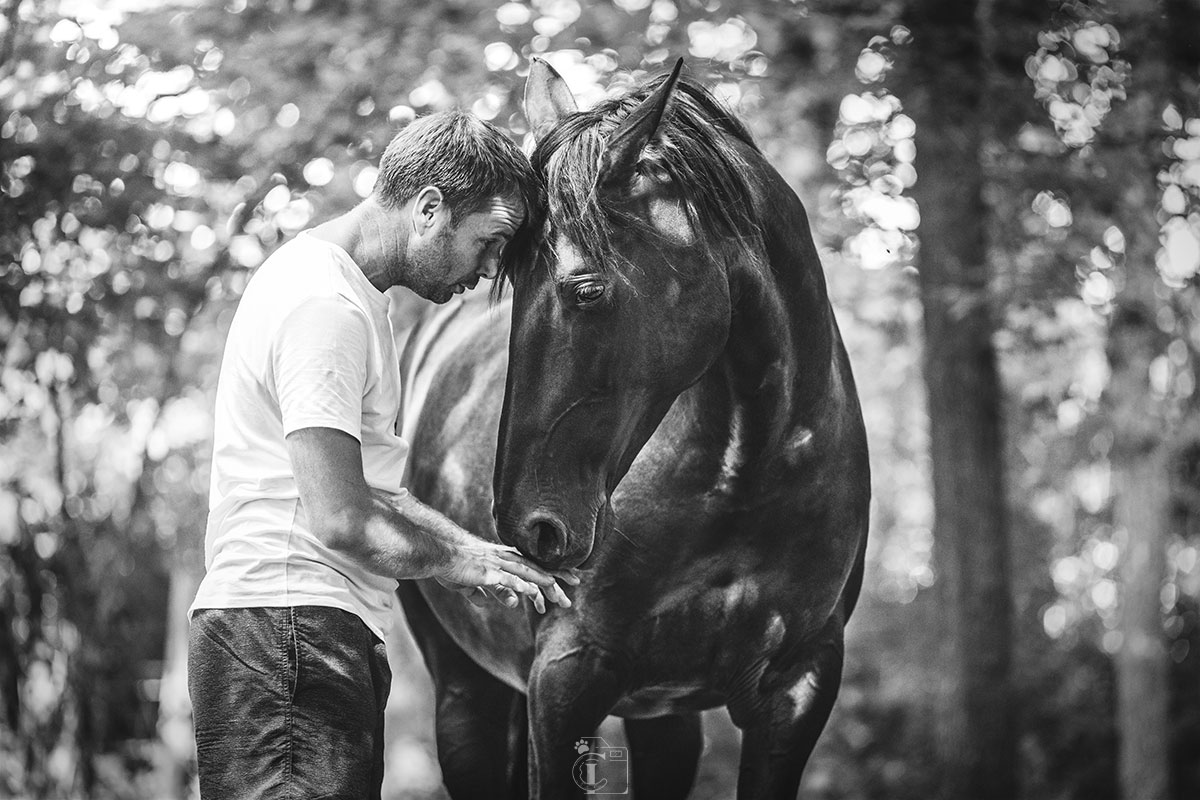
(503, 212)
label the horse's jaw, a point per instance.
(554, 491)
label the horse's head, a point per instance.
(628, 302)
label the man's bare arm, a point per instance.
(398, 536)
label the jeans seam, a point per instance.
(289, 717)
(295, 673)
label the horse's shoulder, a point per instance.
(453, 342)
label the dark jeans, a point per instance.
(287, 703)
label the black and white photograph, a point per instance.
(563, 399)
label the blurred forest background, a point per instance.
(1007, 198)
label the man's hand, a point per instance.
(500, 572)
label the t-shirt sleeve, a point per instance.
(319, 360)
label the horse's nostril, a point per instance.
(550, 541)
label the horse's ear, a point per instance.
(547, 98)
(625, 146)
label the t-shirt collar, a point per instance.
(355, 273)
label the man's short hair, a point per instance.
(467, 158)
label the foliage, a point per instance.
(108, 250)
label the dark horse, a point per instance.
(679, 420)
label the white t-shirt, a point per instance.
(310, 346)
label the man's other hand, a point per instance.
(483, 568)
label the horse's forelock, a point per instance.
(697, 147)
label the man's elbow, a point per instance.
(343, 531)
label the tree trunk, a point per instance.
(174, 704)
(1141, 420)
(1143, 670)
(945, 93)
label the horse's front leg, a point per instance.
(571, 689)
(480, 721)
(781, 725)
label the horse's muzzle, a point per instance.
(548, 538)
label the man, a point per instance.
(308, 528)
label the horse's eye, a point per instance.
(588, 293)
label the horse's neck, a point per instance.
(781, 359)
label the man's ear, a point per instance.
(428, 210)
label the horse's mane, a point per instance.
(699, 146)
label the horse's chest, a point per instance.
(699, 642)
(701, 656)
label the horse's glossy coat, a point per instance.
(679, 418)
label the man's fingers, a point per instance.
(476, 595)
(504, 595)
(537, 595)
(535, 573)
(501, 578)
(508, 596)
(557, 595)
(569, 576)
(519, 565)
